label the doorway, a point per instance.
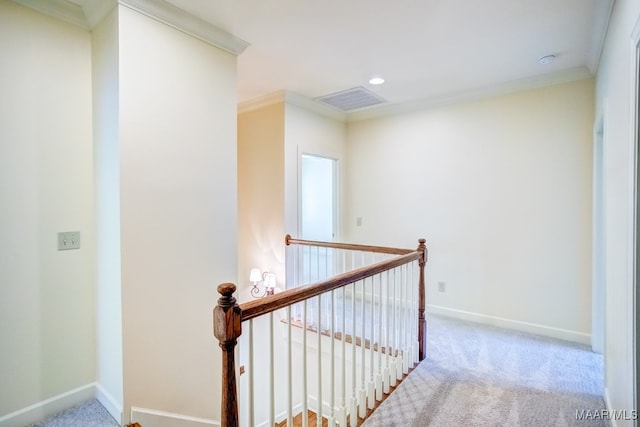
(636, 218)
(598, 294)
(318, 201)
(318, 216)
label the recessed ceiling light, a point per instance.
(376, 81)
(547, 59)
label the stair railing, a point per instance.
(368, 315)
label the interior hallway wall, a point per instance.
(615, 94)
(47, 307)
(260, 194)
(501, 190)
(178, 213)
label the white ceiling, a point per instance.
(425, 49)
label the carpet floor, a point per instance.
(86, 414)
(478, 375)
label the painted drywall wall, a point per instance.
(47, 309)
(308, 132)
(178, 212)
(614, 100)
(260, 194)
(501, 190)
(105, 77)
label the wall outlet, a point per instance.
(359, 221)
(442, 287)
(68, 240)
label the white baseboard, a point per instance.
(563, 334)
(151, 417)
(607, 405)
(48, 407)
(110, 404)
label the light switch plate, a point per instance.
(68, 240)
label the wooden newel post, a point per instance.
(227, 327)
(422, 321)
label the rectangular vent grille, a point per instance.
(351, 99)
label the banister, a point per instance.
(228, 315)
(227, 328)
(268, 304)
(422, 322)
(288, 240)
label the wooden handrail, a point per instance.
(228, 315)
(271, 303)
(288, 240)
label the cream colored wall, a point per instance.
(614, 99)
(308, 132)
(47, 309)
(260, 193)
(178, 186)
(501, 190)
(105, 75)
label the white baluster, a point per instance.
(319, 381)
(371, 398)
(305, 391)
(250, 369)
(290, 368)
(332, 398)
(380, 356)
(272, 385)
(353, 349)
(394, 331)
(363, 394)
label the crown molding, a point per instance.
(292, 98)
(262, 101)
(599, 28)
(96, 10)
(549, 79)
(93, 11)
(177, 18)
(65, 11)
(301, 101)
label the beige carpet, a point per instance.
(485, 376)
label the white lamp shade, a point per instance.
(270, 280)
(255, 275)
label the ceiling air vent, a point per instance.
(351, 99)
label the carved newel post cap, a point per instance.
(226, 316)
(226, 289)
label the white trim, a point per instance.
(48, 407)
(314, 106)
(152, 417)
(94, 11)
(599, 28)
(60, 9)
(599, 253)
(564, 76)
(292, 98)
(109, 403)
(189, 24)
(261, 101)
(632, 241)
(534, 328)
(607, 405)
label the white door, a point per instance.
(318, 207)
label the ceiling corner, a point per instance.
(175, 17)
(599, 27)
(60, 9)
(96, 10)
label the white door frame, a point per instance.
(635, 209)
